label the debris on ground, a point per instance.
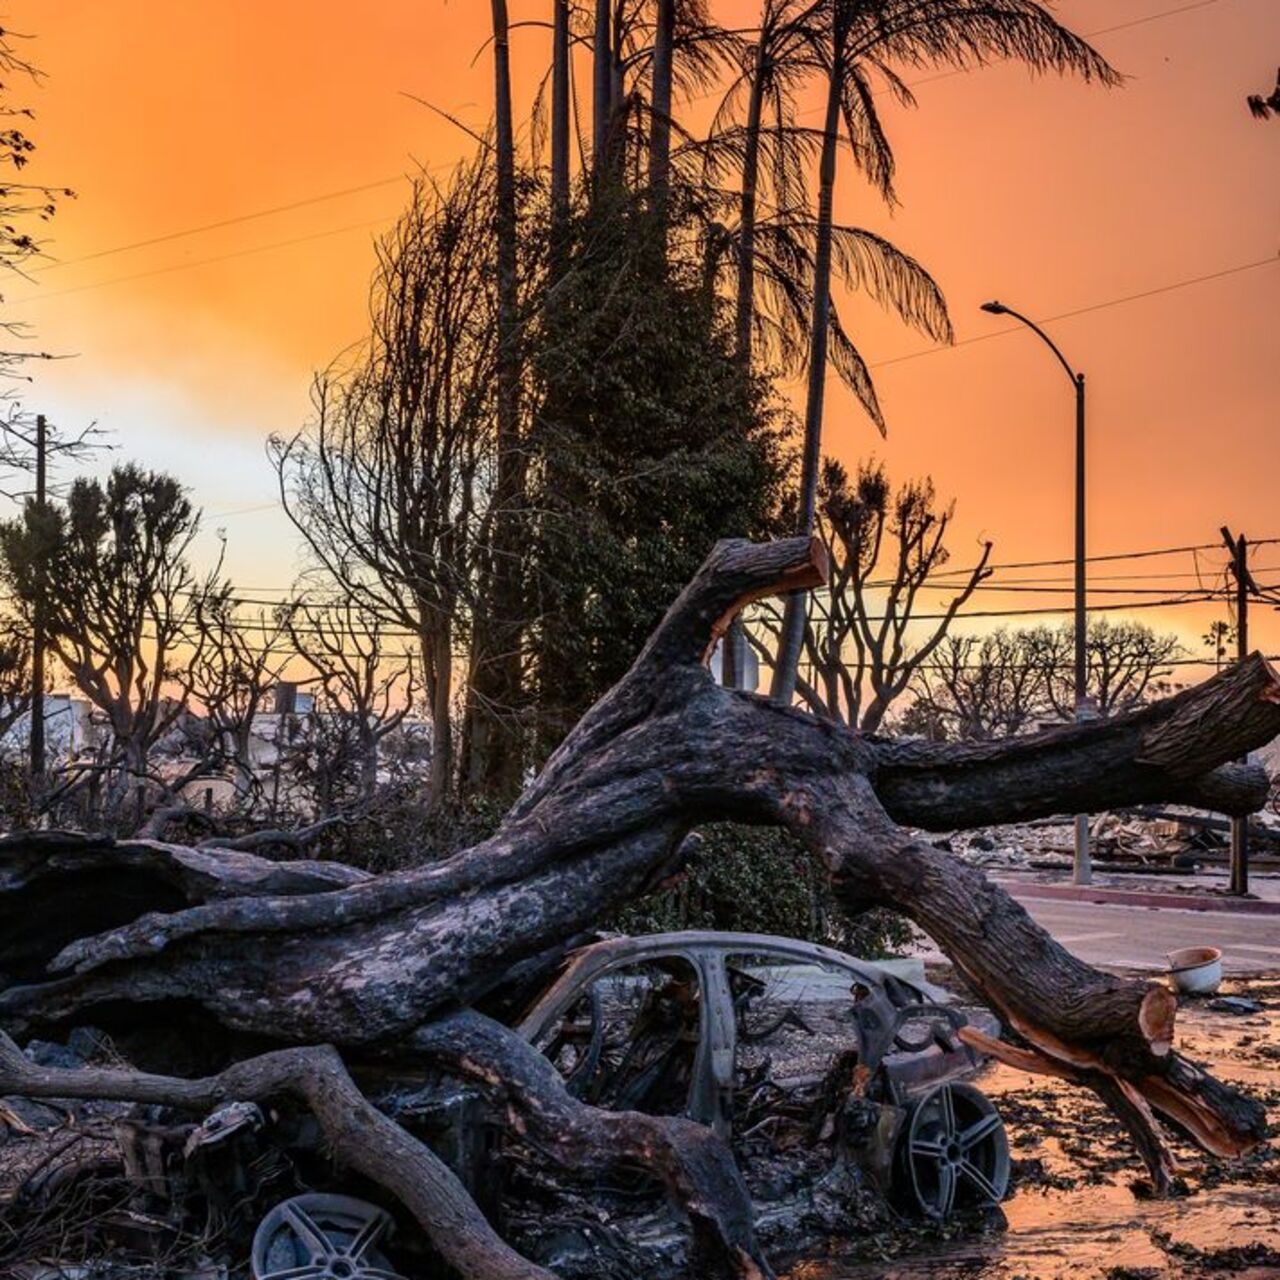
(1234, 1004)
(1077, 1208)
(1169, 842)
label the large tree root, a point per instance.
(697, 1167)
(361, 1137)
(666, 749)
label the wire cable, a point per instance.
(201, 262)
(1082, 311)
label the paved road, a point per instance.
(1139, 937)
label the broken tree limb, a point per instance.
(665, 750)
(274, 837)
(361, 1137)
(697, 1168)
(1178, 749)
(57, 886)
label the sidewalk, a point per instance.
(1104, 925)
(1162, 893)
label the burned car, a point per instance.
(840, 1084)
(744, 1032)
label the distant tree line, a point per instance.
(1014, 680)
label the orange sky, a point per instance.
(1048, 194)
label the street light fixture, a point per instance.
(1082, 871)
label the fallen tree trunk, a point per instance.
(372, 963)
(57, 886)
(697, 1167)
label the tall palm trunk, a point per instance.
(744, 311)
(494, 762)
(734, 652)
(601, 88)
(660, 113)
(559, 124)
(505, 159)
(793, 618)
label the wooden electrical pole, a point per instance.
(36, 735)
(31, 451)
(1239, 548)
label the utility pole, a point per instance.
(1082, 863)
(30, 451)
(1082, 866)
(1239, 548)
(36, 735)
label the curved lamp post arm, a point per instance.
(999, 309)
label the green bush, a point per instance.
(762, 880)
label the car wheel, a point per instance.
(322, 1237)
(953, 1151)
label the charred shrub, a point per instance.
(762, 880)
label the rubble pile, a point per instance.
(1170, 839)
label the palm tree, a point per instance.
(857, 43)
(769, 249)
(560, 90)
(644, 53)
(495, 683)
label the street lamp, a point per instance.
(1083, 874)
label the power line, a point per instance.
(202, 262)
(1080, 311)
(1110, 557)
(397, 634)
(1103, 559)
(1194, 581)
(1150, 17)
(1065, 589)
(1168, 602)
(316, 599)
(235, 220)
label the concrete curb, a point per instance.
(1138, 898)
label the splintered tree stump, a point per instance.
(383, 961)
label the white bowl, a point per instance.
(1196, 970)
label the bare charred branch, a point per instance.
(361, 1137)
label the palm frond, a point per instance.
(852, 368)
(867, 262)
(864, 133)
(974, 33)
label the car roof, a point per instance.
(646, 946)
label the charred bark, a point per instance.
(380, 962)
(58, 886)
(363, 1137)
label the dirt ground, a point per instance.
(1076, 1206)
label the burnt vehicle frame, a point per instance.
(905, 1063)
(902, 1100)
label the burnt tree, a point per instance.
(381, 966)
